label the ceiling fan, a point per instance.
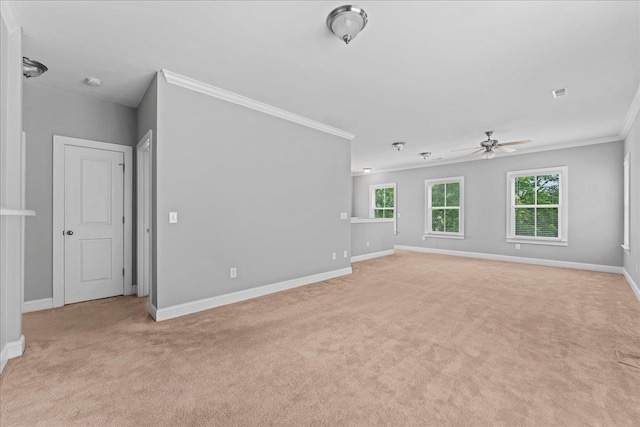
(490, 146)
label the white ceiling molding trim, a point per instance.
(9, 16)
(435, 163)
(631, 115)
(225, 95)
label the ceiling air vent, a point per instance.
(558, 93)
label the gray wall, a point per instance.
(11, 249)
(632, 145)
(595, 203)
(148, 119)
(378, 234)
(49, 111)
(252, 191)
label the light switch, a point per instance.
(173, 217)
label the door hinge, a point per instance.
(123, 272)
(123, 220)
(123, 166)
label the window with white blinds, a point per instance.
(537, 206)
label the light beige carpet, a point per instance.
(410, 339)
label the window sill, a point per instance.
(355, 220)
(538, 242)
(445, 236)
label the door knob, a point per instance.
(70, 233)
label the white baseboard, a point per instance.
(522, 260)
(634, 285)
(365, 257)
(208, 303)
(37, 305)
(11, 350)
(153, 311)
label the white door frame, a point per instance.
(59, 143)
(144, 151)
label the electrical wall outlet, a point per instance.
(367, 243)
(424, 237)
(343, 215)
(345, 254)
(517, 245)
(233, 273)
(173, 217)
(333, 256)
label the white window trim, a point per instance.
(563, 207)
(428, 215)
(372, 188)
(627, 185)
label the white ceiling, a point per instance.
(433, 74)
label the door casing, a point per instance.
(59, 143)
(143, 195)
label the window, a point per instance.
(444, 208)
(383, 198)
(538, 206)
(627, 183)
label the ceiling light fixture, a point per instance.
(347, 21)
(93, 81)
(425, 155)
(399, 145)
(31, 68)
(489, 154)
(366, 170)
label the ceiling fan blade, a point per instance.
(475, 153)
(504, 149)
(464, 149)
(516, 142)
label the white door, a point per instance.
(93, 224)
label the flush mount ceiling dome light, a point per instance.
(425, 155)
(399, 145)
(347, 21)
(31, 68)
(93, 82)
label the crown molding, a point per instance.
(225, 95)
(9, 16)
(552, 147)
(631, 115)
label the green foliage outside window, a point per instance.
(445, 207)
(384, 199)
